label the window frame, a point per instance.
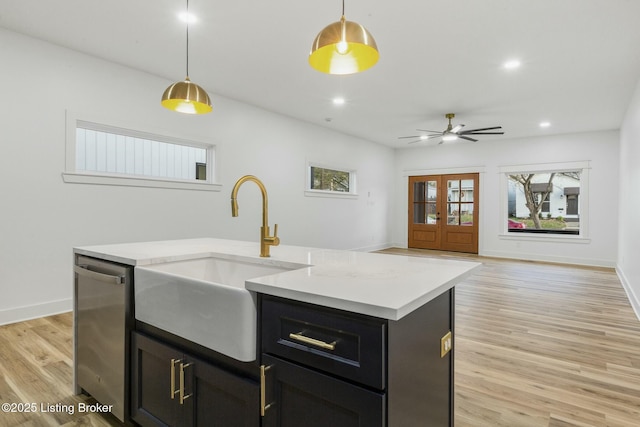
(74, 176)
(352, 193)
(583, 234)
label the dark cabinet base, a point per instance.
(420, 381)
(409, 385)
(297, 396)
(211, 396)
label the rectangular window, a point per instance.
(330, 181)
(544, 202)
(104, 154)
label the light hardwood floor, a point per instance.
(540, 344)
(535, 345)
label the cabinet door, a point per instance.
(154, 401)
(223, 399)
(211, 396)
(297, 396)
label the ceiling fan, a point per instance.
(451, 133)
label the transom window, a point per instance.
(104, 154)
(330, 181)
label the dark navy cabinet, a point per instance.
(331, 367)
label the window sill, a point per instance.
(555, 238)
(127, 181)
(334, 194)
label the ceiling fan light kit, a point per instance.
(186, 96)
(343, 47)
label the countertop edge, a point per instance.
(288, 286)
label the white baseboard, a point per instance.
(372, 248)
(20, 314)
(633, 298)
(551, 258)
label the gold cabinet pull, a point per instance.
(183, 396)
(173, 377)
(312, 341)
(263, 389)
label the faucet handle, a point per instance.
(273, 240)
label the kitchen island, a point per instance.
(341, 338)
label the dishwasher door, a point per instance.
(102, 322)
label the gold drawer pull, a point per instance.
(183, 396)
(173, 377)
(263, 389)
(312, 341)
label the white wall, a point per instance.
(42, 218)
(599, 148)
(629, 211)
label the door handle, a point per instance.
(83, 270)
(174, 362)
(263, 389)
(183, 396)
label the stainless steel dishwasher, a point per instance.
(102, 322)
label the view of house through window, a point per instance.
(544, 202)
(117, 151)
(330, 180)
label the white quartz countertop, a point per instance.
(380, 285)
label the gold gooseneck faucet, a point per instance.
(265, 240)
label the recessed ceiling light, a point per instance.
(338, 101)
(187, 17)
(545, 124)
(512, 64)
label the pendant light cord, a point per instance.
(342, 7)
(188, 38)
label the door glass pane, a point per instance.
(466, 194)
(432, 191)
(419, 213)
(466, 214)
(453, 190)
(418, 191)
(453, 214)
(431, 213)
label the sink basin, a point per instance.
(204, 300)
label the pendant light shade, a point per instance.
(344, 47)
(185, 96)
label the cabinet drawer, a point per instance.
(345, 344)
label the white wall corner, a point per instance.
(634, 299)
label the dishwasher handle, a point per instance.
(83, 270)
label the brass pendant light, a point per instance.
(185, 96)
(344, 47)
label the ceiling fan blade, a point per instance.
(456, 128)
(430, 131)
(481, 129)
(414, 136)
(467, 138)
(482, 133)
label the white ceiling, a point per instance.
(580, 58)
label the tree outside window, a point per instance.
(544, 202)
(330, 180)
